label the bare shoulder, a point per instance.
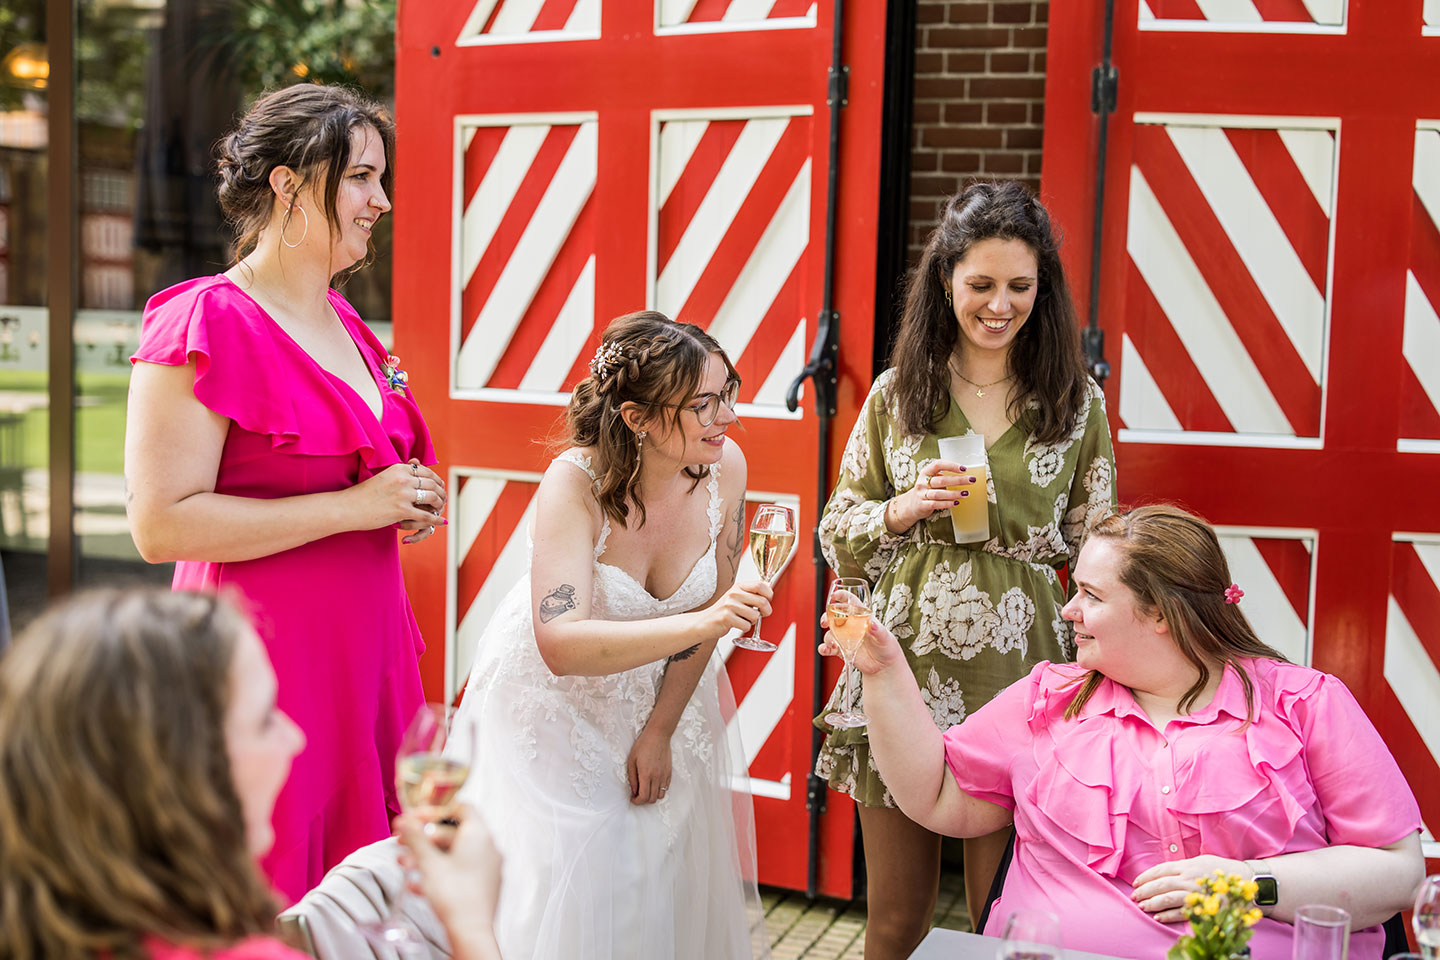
(733, 471)
(566, 490)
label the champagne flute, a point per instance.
(772, 538)
(1426, 918)
(848, 609)
(431, 766)
(1031, 935)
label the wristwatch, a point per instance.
(1268, 893)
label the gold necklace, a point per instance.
(980, 387)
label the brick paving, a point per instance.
(827, 929)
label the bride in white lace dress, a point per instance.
(605, 768)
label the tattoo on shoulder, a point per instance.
(557, 601)
(685, 654)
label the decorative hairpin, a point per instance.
(606, 359)
(1233, 593)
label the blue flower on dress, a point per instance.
(397, 378)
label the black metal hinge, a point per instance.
(1104, 89)
(839, 90)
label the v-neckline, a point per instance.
(971, 427)
(377, 416)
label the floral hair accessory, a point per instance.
(397, 378)
(1233, 593)
(606, 359)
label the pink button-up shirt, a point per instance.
(1101, 798)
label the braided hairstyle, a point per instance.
(307, 128)
(1045, 360)
(650, 360)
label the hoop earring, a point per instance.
(303, 234)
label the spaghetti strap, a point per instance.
(583, 462)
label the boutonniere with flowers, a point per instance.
(397, 378)
(1221, 914)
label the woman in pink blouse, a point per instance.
(1178, 744)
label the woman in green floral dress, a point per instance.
(988, 345)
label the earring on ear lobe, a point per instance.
(948, 301)
(303, 234)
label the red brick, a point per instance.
(1029, 38)
(930, 13)
(1032, 164)
(1017, 62)
(961, 38)
(1037, 112)
(1038, 62)
(931, 185)
(965, 62)
(1023, 138)
(928, 62)
(973, 11)
(924, 211)
(1004, 163)
(926, 112)
(1012, 13)
(924, 161)
(1007, 88)
(964, 112)
(941, 88)
(1042, 13)
(962, 137)
(960, 162)
(1006, 112)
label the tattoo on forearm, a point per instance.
(685, 654)
(736, 541)
(557, 601)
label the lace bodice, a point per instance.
(619, 596)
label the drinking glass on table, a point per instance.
(1321, 933)
(1031, 935)
(1426, 918)
(431, 766)
(848, 610)
(772, 539)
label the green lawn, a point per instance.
(99, 420)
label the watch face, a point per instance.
(1269, 892)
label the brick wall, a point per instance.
(979, 99)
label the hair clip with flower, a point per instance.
(1233, 593)
(609, 356)
(397, 378)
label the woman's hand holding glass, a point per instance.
(930, 494)
(878, 649)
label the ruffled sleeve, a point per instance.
(981, 751)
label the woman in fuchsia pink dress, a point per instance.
(275, 451)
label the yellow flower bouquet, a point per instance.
(1221, 913)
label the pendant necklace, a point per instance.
(980, 387)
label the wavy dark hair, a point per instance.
(1045, 359)
(1175, 567)
(119, 819)
(657, 362)
(307, 128)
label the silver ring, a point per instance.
(432, 529)
(415, 469)
(419, 496)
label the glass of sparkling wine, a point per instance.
(772, 538)
(848, 609)
(431, 766)
(1426, 918)
(1031, 935)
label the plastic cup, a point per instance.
(971, 519)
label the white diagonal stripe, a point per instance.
(585, 16)
(472, 508)
(1197, 318)
(1266, 604)
(747, 10)
(1314, 154)
(765, 272)
(1145, 12)
(786, 369)
(1426, 176)
(496, 190)
(1258, 238)
(478, 18)
(516, 16)
(525, 270)
(1421, 343)
(1326, 11)
(566, 336)
(717, 211)
(765, 703)
(1411, 674)
(1429, 554)
(678, 140)
(512, 564)
(673, 12)
(1230, 11)
(1142, 405)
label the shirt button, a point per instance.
(1174, 848)
(1165, 789)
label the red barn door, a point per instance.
(562, 162)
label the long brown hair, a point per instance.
(307, 128)
(1045, 358)
(652, 360)
(1175, 567)
(118, 816)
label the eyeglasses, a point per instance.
(706, 406)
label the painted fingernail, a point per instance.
(964, 493)
(962, 469)
(973, 479)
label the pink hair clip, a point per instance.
(1233, 593)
